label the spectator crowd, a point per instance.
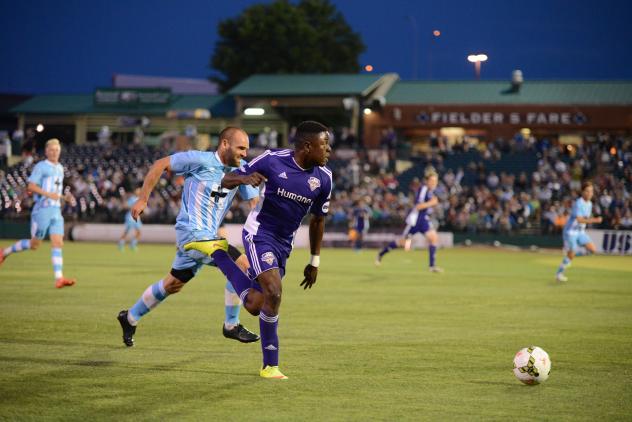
(475, 195)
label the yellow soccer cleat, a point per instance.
(272, 372)
(207, 247)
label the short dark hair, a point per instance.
(229, 132)
(305, 130)
(585, 184)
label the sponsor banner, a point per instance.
(163, 233)
(459, 118)
(125, 97)
(612, 242)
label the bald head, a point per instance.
(230, 132)
(233, 146)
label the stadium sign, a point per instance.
(501, 118)
(126, 97)
(612, 242)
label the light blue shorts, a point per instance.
(45, 220)
(191, 259)
(573, 240)
(130, 224)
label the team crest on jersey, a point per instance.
(313, 183)
(268, 258)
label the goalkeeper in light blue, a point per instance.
(204, 205)
(574, 233)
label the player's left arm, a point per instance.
(589, 220)
(319, 210)
(586, 218)
(316, 230)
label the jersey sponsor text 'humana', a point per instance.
(293, 196)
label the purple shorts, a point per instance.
(422, 226)
(264, 253)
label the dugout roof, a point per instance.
(219, 105)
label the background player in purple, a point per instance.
(297, 183)
(359, 223)
(418, 221)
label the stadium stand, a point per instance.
(495, 187)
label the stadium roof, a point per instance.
(8, 101)
(219, 105)
(185, 86)
(531, 92)
(309, 85)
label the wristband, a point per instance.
(315, 261)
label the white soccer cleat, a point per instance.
(435, 269)
(561, 278)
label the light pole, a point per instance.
(477, 59)
(435, 35)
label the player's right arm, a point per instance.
(32, 187)
(319, 210)
(252, 173)
(35, 180)
(149, 183)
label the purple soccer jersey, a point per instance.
(289, 194)
(418, 221)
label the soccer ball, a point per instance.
(532, 365)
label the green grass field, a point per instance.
(390, 343)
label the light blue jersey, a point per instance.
(574, 232)
(581, 208)
(46, 214)
(130, 223)
(49, 177)
(204, 201)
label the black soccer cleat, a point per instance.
(128, 329)
(240, 333)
